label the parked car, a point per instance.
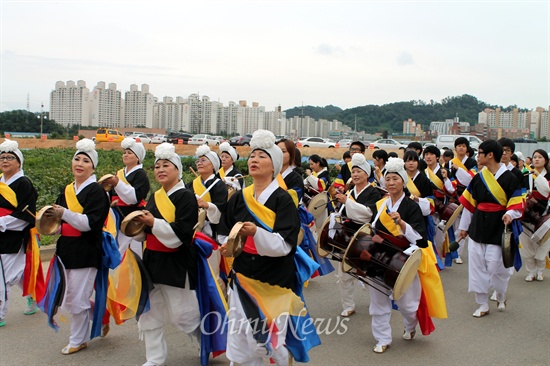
(143, 138)
(315, 142)
(345, 143)
(388, 144)
(203, 139)
(158, 139)
(240, 140)
(108, 135)
(173, 137)
(448, 141)
(525, 141)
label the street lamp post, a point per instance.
(41, 119)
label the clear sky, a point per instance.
(345, 53)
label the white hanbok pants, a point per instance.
(182, 307)
(380, 309)
(241, 345)
(486, 270)
(533, 254)
(11, 274)
(80, 285)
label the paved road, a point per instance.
(518, 336)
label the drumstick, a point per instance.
(239, 177)
(396, 222)
(194, 172)
(26, 208)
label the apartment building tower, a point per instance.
(69, 103)
(106, 106)
(138, 107)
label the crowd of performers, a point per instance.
(216, 244)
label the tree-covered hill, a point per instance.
(374, 118)
(314, 112)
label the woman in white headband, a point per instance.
(228, 171)
(271, 226)
(130, 189)
(83, 207)
(169, 257)
(16, 193)
(398, 216)
(359, 204)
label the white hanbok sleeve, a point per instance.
(270, 244)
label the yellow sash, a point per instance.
(435, 179)
(199, 189)
(72, 201)
(263, 214)
(165, 206)
(495, 188)
(121, 176)
(385, 218)
(323, 185)
(291, 192)
(221, 172)
(458, 163)
(8, 194)
(412, 188)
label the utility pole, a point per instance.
(41, 118)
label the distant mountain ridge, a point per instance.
(374, 118)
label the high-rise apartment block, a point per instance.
(69, 103)
(138, 107)
(106, 106)
(533, 123)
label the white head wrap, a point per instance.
(167, 151)
(12, 147)
(204, 150)
(87, 147)
(396, 165)
(225, 147)
(137, 148)
(358, 160)
(520, 156)
(265, 140)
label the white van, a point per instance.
(448, 141)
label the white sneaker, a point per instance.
(540, 277)
(459, 260)
(530, 277)
(481, 311)
(409, 335)
(494, 296)
(347, 312)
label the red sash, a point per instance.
(5, 211)
(68, 230)
(250, 246)
(154, 244)
(120, 202)
(490, 207)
